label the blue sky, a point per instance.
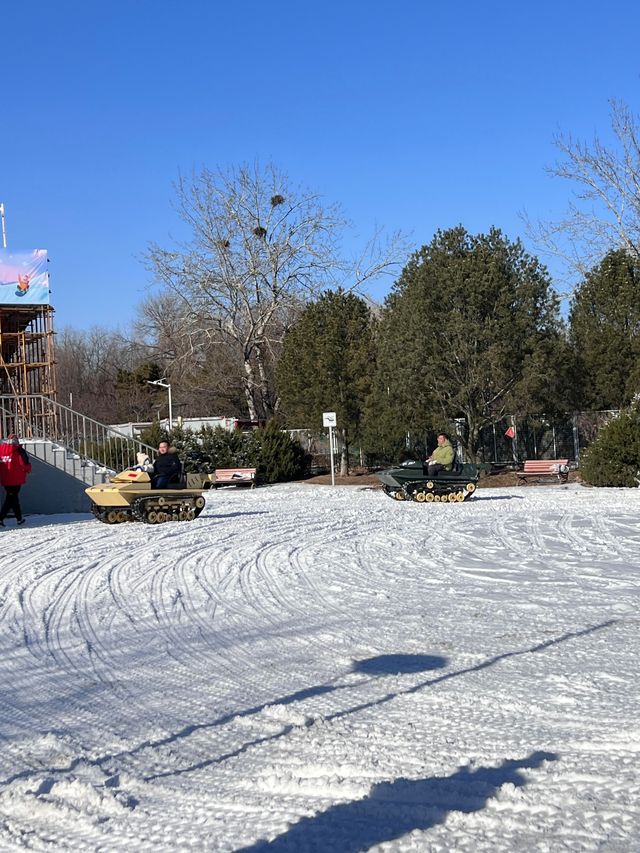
(413, 116)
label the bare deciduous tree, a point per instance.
(205, 375)
(604, 212)
(259, 250)
(87, 368)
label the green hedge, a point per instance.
(276, 456)
(613, 458)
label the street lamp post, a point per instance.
(162, 383)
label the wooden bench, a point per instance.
(543, 469)
(235, 477)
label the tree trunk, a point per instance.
(265, 386)
(344, 456)
(473, 438)
(249, 386)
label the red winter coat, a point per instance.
(14, 465)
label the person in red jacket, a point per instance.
(14, 467)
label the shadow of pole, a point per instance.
(376, 666)
(570, 635)
(396, 808)
(354, 709)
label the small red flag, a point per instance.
(511, 432)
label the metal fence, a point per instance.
(538, 437)
(542, 437)
(34, 416)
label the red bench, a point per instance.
(540, 470)
(235, 477)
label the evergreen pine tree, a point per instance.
(471, 330)
(613, 458)
(327, 365)
(605, 332)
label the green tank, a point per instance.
(411, 482)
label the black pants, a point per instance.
(161, 481)
(11, 502)
(434, 468)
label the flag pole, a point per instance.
(4, 232)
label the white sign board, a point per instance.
(329, 419)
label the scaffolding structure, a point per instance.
(27, 365)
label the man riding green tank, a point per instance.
(442, 457)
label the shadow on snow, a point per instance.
(393, 809)
(377, 667)
(328, 688)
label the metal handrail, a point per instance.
(34, 416)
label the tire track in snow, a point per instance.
(289, 553)
(59, 618)
(44, 600)
(614, 542)
(95, 636)
(52, 586)
(24, 617)
(575, 534)
(508, 532)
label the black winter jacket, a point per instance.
(167, 465)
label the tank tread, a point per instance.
(429, 491)
(152, 510)
(112, 514)
(158, 509)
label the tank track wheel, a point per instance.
(420, 497)
(198, 508)
(429, 497)
(470, 487)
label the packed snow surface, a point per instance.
(315, 668)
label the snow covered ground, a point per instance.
(316, 668)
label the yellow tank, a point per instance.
(129, 496)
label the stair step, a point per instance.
(72, 463)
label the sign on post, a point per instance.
(329, 420)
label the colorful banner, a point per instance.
(24, 278)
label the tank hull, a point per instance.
(130, 497)
(411, 482)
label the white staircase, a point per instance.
(68, 451)
(72, 463)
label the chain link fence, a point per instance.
(540, 437)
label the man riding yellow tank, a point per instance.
(167, 468)
(151, 493)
